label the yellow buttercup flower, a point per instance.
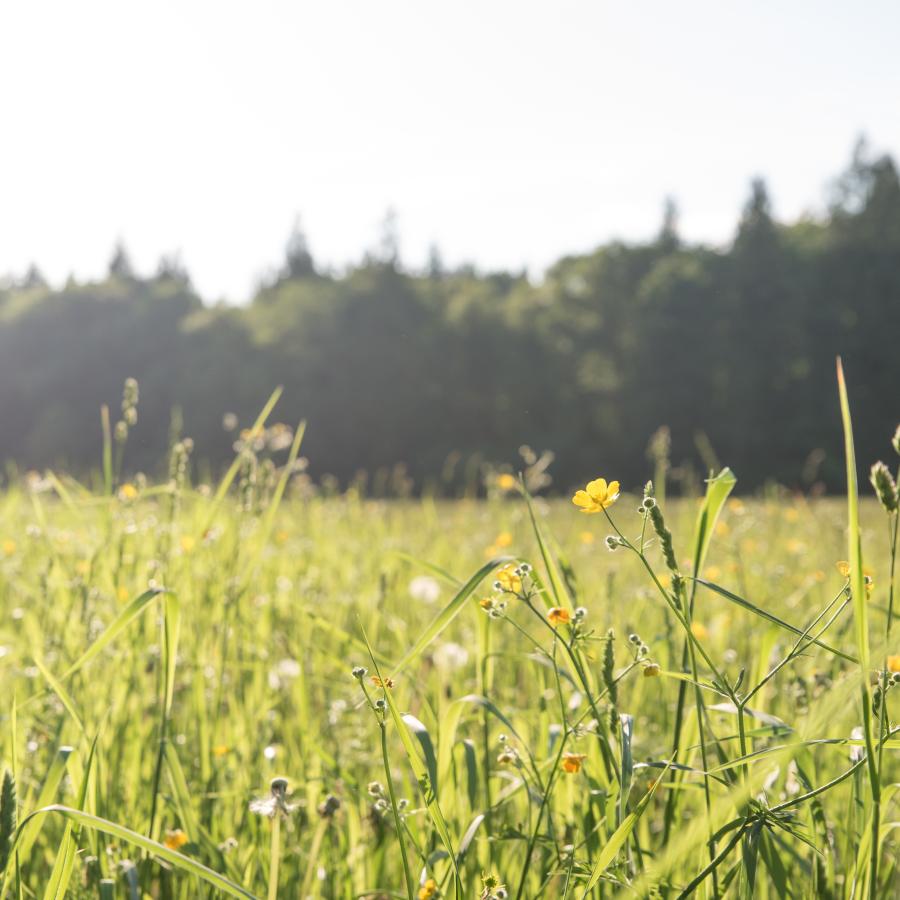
(188, 542)
(597, 495)
(506, 482)
(428, 890)
(509, 579)
(128, 492)
(571, 762)
(893, 663)
(556, 615)
(699, 630)
(220, 750)
(176, 839)
(385, 683)
(843, 568)
(9, 547)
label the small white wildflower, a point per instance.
(424, 589)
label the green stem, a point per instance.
(275, 856)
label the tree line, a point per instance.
(732, 348)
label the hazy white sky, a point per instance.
(508, 133)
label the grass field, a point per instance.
(183, 694)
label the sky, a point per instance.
(506, 133)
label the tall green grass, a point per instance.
(252, 689)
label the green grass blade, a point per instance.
(770, 617)
(176, 860)
(619, 837)
(449, 612)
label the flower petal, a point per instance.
(582, 498)
(597, 489)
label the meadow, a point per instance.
(256, 688)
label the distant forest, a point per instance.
(731, 347)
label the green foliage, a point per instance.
(729, 347)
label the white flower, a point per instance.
(425, 589)
(451, 656)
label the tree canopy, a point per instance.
(730, 347)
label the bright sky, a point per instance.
(508, 133)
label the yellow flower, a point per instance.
(571, 762)
(556, 615)
(509, 580)
(220, 750)
(597, 495)
(506, 482)
(176, 839)
(122, 594)
(9, 547)
(792, 514)
(651, 670)
(736, 505)
(796, 547)
(893, 663)
(385, 683)
(504, 539)
(428, 890)
(128, 492)
(586, 537)
(699, 631)
(843, 568)
(722, 528)
(713, 573)
(486, 603)
(665, 580)
(188, 542)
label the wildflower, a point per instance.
(428, 890)
(220, 750)
(699, 631)
(508, 757)
(487, 604)
(375, 789)
(451, 656)
(843, 568)
(651, 670)
(586, 537)
(359, 672)
(188, 542)
(580, 613)
(176, 839)
(329, 806)
(597, 496)
(504, 539)
(870, 583)
(558, 616)
(9, 547)
(276, 802)
(385, 683)
(893, 663)
(424, 589)
(128, 492)
(491, 888)
(571, 762)
(506, 482)
(509, 579)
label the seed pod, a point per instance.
(885, 488)
(665, 538)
